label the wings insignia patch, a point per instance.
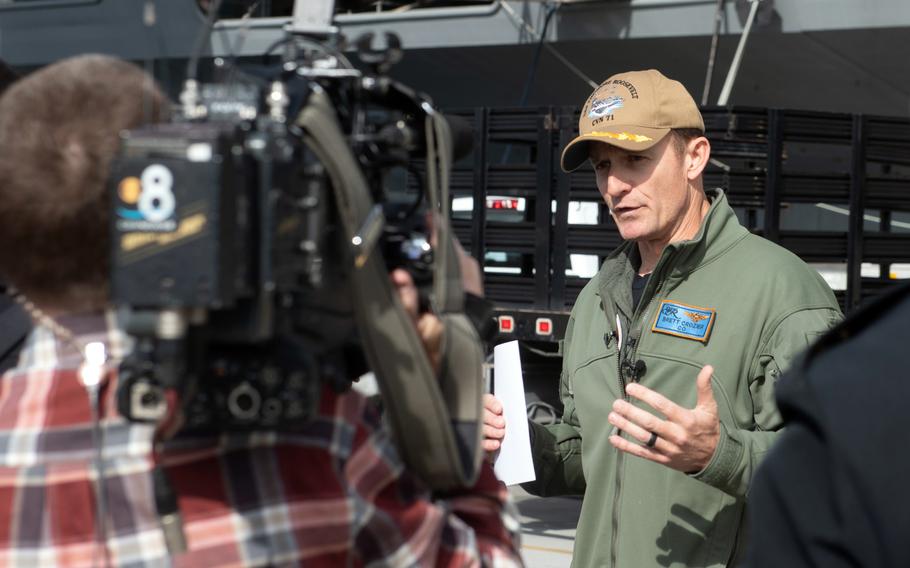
(681, 320)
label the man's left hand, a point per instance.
(686, 439)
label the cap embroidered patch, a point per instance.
(622, 136)
(605, 106)
(685, 321)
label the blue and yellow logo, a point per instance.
(682, 320)
(148, 199)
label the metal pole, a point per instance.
(542, 215)
(560, 244)
(737, 58)
(774, 175)
(718, 18)
(884, 268)
(855, 227)
(479, 211)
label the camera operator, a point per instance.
(334, 494)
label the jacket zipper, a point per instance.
(632, 342)
(617, 486)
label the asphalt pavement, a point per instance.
(547, 528)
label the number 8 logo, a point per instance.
(156, 202)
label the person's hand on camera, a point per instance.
(429, 327)
(494, 425)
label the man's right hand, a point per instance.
(494, 425)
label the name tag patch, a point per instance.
(681, 320)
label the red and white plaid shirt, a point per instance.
(335, 494)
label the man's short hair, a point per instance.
(59, 130)
(682, 137)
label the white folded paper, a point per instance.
(514, 464)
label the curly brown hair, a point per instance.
(59, 130)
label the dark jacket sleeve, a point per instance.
(796, 507)
(556, 449)
(833, 492)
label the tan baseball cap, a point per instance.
(633, 111)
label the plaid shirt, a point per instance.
(336, 494)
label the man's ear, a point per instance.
(698, 152)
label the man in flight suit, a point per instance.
(673, 348)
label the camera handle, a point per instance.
(436, 420)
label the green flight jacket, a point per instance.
(768, 306)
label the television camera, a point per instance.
(252, 240)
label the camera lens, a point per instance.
(244, 402)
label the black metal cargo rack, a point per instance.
(767, 160)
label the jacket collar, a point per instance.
(719, 231)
